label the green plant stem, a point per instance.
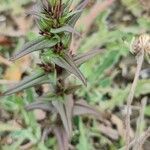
(140, 58)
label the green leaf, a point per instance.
(81, 58)
(75, 69)
(8, 127)
(82, 5)
(46, 106)
(119, 96)
(65, 29)
(67, 5)
(69, 15)
(83, 139)
(65, 120)
(72, 21)
(41, 78)
(67, 63)
(38, 44)
(147, 110)
(35, 79)
(82, 108)
(62, 138)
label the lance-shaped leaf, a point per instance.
(65, 29)
(67, 63)
(82, 5)
(76, 70)
(65, 120)
(67, 5)
(69, 111)
(35, 79)
(72, 21)
(38, 44)
(41, 78)
(82, 108)
(72, 13)
(81, 58)
(62, 138)
(44, 105)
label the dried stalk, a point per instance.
(140, 140)
(140, 46)
(140, 58)
(140, 123)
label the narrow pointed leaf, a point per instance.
(46, 106)
(78, 60)
(82, 5)
(67, 5)
(73, 13)
(62, 112)
(69, 111)
(62, 138)
(82, 108)
(26, 83)
(81, 58)
(65, 29)
(38, 44)
(75, 69)
(72, 21)
(72, 69)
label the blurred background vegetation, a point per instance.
(106, 24)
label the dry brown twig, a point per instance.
(140, 46)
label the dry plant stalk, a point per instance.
(140, 139)
(140, 124)
(140, 46)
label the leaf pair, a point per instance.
(66, 110)
(40, 77)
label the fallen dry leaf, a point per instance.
(13, 73)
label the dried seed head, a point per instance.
(142, 43)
